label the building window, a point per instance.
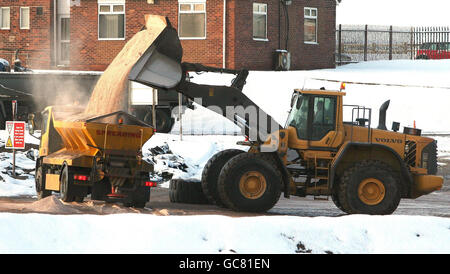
(310, 25)
(4, 17)
(64, 40)
(259, 21)
(111, 22)
(25, 18)
(192, 20)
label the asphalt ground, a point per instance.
(434, 204)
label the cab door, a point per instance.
(318, 127)
(323, 126)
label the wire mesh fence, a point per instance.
(356, 43)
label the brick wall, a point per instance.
(34, 44)
(242, 51)
(258, 55)
(89, 53)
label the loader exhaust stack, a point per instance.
(382, 118)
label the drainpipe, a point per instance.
(224, 46)
(55, 46)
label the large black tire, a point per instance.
(100, 189)
(164, 121)
(369, 187)
(335, 194)
(181, 191)
(66, 185)
(138, 198)
(141, 195)
(39, 178)
(250, 182)
(70, 192)
(211, 173)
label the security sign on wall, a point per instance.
(16, 135)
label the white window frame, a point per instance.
(1, 19)
(61, 41)
(111, 5)
(29, 18)
(260, 13)
(310, 16)
(192, 3)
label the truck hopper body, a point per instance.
(100, 155)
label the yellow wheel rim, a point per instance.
(252, 185)
(371, 191)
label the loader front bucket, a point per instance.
(110, 92)
(160, 65)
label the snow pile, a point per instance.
(184, 159)
(201, 234)
(23, 184)
(52, 204)
(25, 165)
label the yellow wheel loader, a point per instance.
(364, 169)
(100, 156)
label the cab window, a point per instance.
(323, 117)
(298, 117)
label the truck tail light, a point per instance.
(150, 184)
(81, 177)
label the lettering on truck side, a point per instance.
(387, 140)
(120, 134)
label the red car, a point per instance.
(434, 51)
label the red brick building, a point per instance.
(87, 34)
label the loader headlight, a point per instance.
(425, 160)
(429, 158)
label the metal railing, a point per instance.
(356, 43)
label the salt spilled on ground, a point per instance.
(51, 204)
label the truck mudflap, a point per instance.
(424, 184)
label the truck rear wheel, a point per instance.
(211, 173)
(40, 181)
(249, 182)
(369, 187)
(141, 194)
(66, 185)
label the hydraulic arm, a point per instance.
(161, 67)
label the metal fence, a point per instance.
(356, 43)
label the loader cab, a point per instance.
(315, 119)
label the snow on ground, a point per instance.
(25, 165)
(43, 233)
